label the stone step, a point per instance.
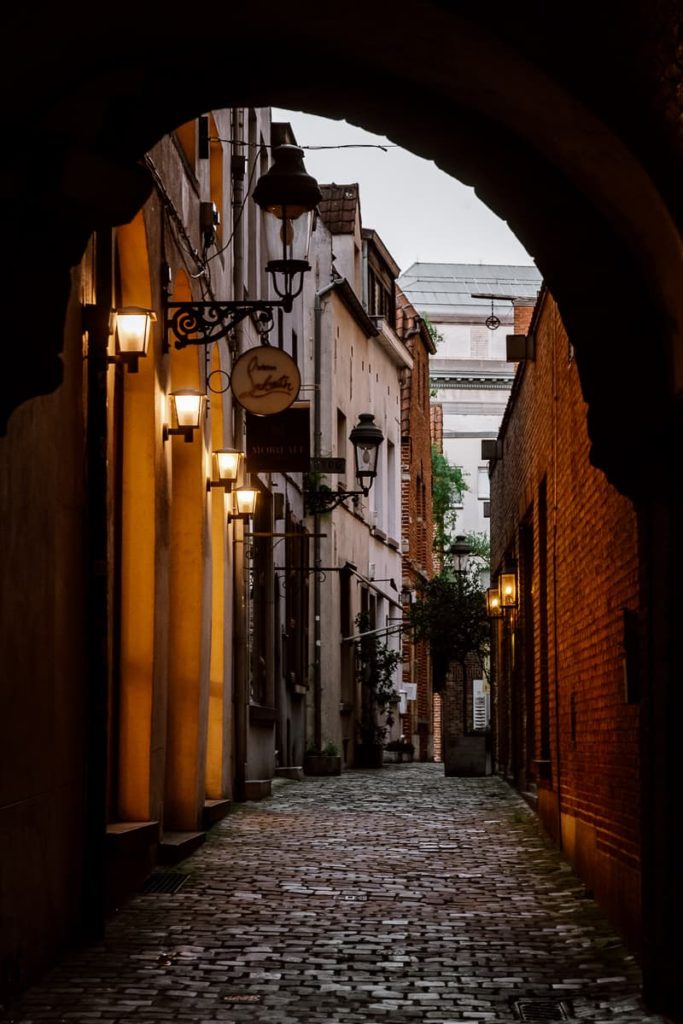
(214, 810)
(176, 846)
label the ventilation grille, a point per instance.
(538, 1011)
(164, 882)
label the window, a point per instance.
(483, 483)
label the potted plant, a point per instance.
(376, 664)
(397, 751)
(325, 761)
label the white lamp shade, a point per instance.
(133, 330)
(226, 465)
(245, 501)
(188, 407)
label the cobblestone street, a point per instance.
(374, 896)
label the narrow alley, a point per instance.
(370, 896)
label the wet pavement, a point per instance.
(393, 895)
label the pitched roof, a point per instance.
(339, 207)
(449, 287)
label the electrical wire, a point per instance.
(384, 146)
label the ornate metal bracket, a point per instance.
(323, 499)
(200, 323)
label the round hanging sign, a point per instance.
(265, 380)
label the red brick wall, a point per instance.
(416, 514)
(564, 727)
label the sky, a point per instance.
(420, 213)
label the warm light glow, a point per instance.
(133, 330)
(493, 606)
(188, 407)
(226, 465)
(245, 501)
(507, 587)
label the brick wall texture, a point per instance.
(566, 724)
(416, 515)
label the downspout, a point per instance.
(239, 554)
(556, 680)
(317, 546)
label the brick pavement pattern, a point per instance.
(374, 896)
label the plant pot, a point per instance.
(369, 756)
(322, 764)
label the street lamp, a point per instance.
(288, 196)
(244, 504)
(366, 438)
(461, 551)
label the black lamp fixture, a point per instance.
(366, 438)
(244, 504)
(288, 196)
(131, 327)
(460, 552)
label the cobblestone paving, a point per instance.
(376, 896)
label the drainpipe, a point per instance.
(239, 555)
(317, 546)
(556, 680)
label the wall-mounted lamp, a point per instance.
(244, 503)
(226, 465)
(187, 406)
(366, 438)
(131, 325)
(493, 606)
(507, 588)
(288, 196)
(133, 331)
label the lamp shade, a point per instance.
(226, 464)
(133, 330)
(366, 438)
(188, 404)
(507, 588)
(245, 502)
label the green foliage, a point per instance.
(450, 613)
(434, 333)
(448, 486)
(376, 663)
(481, 547)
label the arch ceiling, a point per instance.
(565, 118)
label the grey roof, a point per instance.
(447, 288)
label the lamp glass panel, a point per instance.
(188, 407)
(493, 607)
(507, 586)
(245, 501)
(132, 333)
(226, 465)
(288, 233)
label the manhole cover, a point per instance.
(540, 1010)
(242, 997)
(164, 881)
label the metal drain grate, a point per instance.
(538, 1011)
(164, 881)
(242, 998)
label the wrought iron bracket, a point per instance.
(201, 323)
(321, 500)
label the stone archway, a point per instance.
(501, 103)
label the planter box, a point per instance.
(322, 764)
(466, 755)
(369, 757)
